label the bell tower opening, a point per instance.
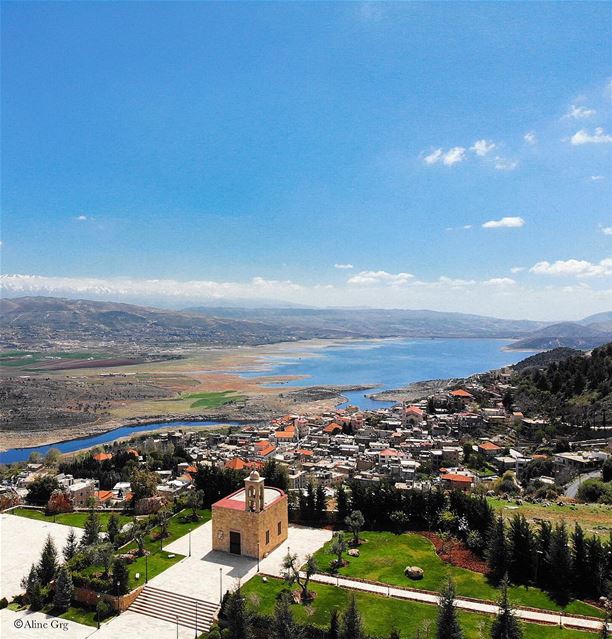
(254, 489)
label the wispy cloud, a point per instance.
(517, 269)
(505, 223)
(606, 230)
(82, 218)
(530, 137)
(373, 278)
(343, 266)
(500, 281)
(599, 136)
(504, 164)
(448, 158)
(574, 268)
(597, 178)
(579, 113)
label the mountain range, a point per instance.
(28, 322)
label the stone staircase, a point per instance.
(168, 606)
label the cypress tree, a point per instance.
(559, 563)
(91, 532)
(72, 545)
(342, 503)
(321, 502)
(48, 562)
(352, 627)
(580, 564)
(334, 625)
(32, 587)
(448, 625)
(497, 553)
(237, 618)
(121, 576)
(113, 528)
(283, 625)
(604, 633)
(506, 625)
(520, 550)
(542, 548)
(64, 589)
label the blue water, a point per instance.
(385, 363)
(388, 364)
(13, 455)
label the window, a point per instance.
(267, 537)
(279, 528)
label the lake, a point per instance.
(386, 363)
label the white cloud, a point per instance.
(448, 158)
(373, 278)
(574, 268)
(482, 147)
(530, 137)
(579, 112)
(81, 218)
(500, 281)
(467, 226)
(597, 178)
(343, 267)
(584, 137)
(504, 164)
(517, 269)
(454, 281)
(607, 230)
(505, 223)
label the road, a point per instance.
(572, 487)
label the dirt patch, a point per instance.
(456, 553)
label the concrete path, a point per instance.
(544, 616)
(574, 485)
(21, 542)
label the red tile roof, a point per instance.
(489, 446)
(332, 428)
(100, 457)
(452, 477)
(104, 495)
(461, 393)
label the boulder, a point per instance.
(353, 552)
(414, 572)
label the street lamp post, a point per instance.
(146, 569)
(98, 611)
(257, 556)
(220, 585)
(190, 543)
(118, 584)
(176, 626)
(196, 624)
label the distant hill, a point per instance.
(576, 390)
(540, 360)
(564, 334)
(45, 321)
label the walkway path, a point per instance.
(544, 616)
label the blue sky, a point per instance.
(180, 151)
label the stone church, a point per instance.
(252, 521)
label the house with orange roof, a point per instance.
(461, 394)
(332, 429)
(104, 497)
(101, 457)
(454, 481)
(264, 448)
(489, 449)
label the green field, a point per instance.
(385, 555)
(212, 400)
(381, 614)
(76, 520)
(27, 358)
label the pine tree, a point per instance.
(448, 625)
(506, 625)
(72, 545)
(352, 627)
(48, 562)
(120, 576)
(32, 587)
(237, 618)
(283, 625)
(113, 528)
(64, 589)
(91, 530)
(497, 553)
(334, 625)
(320, 502)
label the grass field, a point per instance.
(76, 520)
(212, 400)
(381, 614)
(385, 555)
(594, 518)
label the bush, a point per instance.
(594, 490)
(3, 603)
(103, 609)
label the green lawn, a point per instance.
(385, 555)
(381, 614)
(76, 520)
(212, 400)
(76, 613)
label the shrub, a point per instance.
(103, 609)
(3, 603)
